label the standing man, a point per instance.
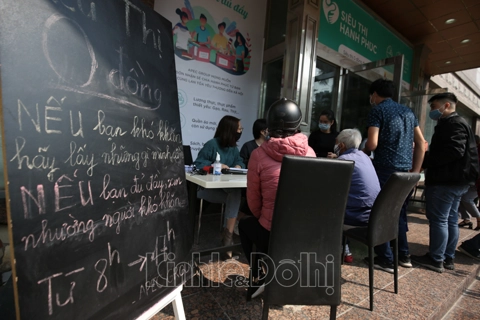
(392, 131)
(452, 167)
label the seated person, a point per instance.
(229, 131)
(260, 133)
(283, 121)
(364, 186)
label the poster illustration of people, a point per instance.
(218, 56)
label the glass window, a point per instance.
(324, 92)
(276, 22)
(272, 84)
(355, 103)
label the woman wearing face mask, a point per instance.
(322, 141)
(229, 131)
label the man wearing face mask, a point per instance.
(392, 129)
(452, 167)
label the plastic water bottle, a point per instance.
(217, 166)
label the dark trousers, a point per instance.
(384, 251)
(252, 233)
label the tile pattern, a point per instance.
(423, 294)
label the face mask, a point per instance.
(435, 114)
(239, 134)
(324, 126)
(336, 149)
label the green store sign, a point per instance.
(347, 28)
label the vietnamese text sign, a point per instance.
(348, 29)
(218, 56)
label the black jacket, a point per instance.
(452, 158)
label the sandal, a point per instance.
(465, 223)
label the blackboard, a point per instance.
(93, 157)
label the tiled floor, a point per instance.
(423, 294)
(468, 306)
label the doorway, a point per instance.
(354, 106)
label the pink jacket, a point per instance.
(264, 171)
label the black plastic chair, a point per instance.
(306, 234)
(383, 222)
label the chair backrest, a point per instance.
(383, 221)
(306, 235)
(187, 155)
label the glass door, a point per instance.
(325, 90)
(354, 101)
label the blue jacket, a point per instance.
(364, 188)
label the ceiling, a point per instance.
(423, 22)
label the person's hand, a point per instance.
(331, 155)
(224, 166)
(239, 167)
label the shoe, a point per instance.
(466, 223)
(469, 252)
(405, 261)
(428, 262)
(348, 258)
(227, 238)
(448, 264)
(380, 265)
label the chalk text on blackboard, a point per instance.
(101, 267)
(57, 296)
(77, 158)
(59, 234)
(49, 117)
(39, 161)
(145, 31)
(92, 14)
(108, 130)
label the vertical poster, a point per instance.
(218, 55)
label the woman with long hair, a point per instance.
(224, 142)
